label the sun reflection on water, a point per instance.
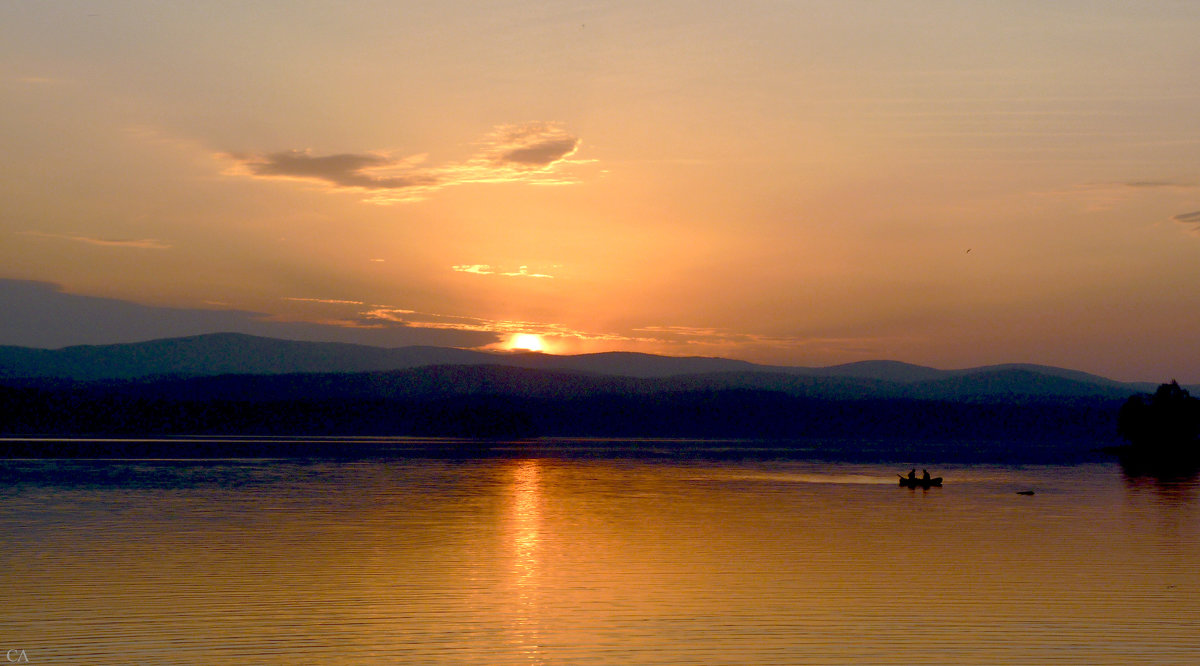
(526, 516)
(525, 523)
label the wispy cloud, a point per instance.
(478, 269)
(1159, 185)
(693, 335)
(369, 171)
(1125, 187)
(485, 269)
(524, 272)
(490, 333)
(500, 327)
(533, 153)
(326, 301)
(719, 340)
(1190, 221)
(667, 338)
(380, 313)
(137, 243)
(1107, 195)
(16, 81)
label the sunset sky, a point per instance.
(805, 183)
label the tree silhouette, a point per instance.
(1167, 422)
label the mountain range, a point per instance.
(238, 354)
(240, 384)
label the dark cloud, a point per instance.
(343, 170)
(532, 144)
(529, 153)
(541, 154)
(40, 314)
(1191, 220)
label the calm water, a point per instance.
(540, 560)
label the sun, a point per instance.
(527, 342)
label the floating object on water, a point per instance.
(916, 482)
(1024, 492)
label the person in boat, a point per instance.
(925, 475)
(912, 474)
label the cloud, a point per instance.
(531, 153)
(1189, 220)
(485, 269)
(478, 269)
(326, 301)
(502, 328)
(1123, 188)
(1109, 195)
(345, 170)
(43, 315)
(524, 272)
(40, 314)
(532, 145)
(137, 243)
(694, 335)
(1159, 184)
(383, 313)
(719, 340)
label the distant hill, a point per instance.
(1012, 383)
(218, 354)
(892, 371)
(245, 355)
(235, 353)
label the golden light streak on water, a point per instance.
(523, 528)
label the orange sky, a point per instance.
(807, 183)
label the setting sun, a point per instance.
(527, 342)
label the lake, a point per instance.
(593, 559)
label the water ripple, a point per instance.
(508, 561)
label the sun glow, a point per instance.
(527, 342)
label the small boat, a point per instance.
(917, 482)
